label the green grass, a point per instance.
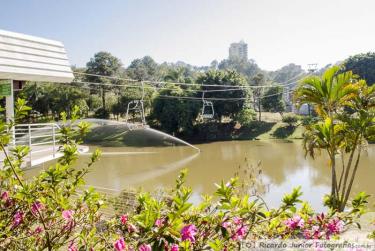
(120, 135)
(282, 130)
(272, 128)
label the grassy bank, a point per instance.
(119, 135)
(256, 130)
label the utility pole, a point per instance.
(311, 68)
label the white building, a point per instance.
(238, 51)
(29, 58)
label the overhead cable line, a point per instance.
(282, 84)
(160, 88)
(199, 98)
(152, 87)
(219, 99)
(232, 88)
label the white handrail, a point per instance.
(39, 124)
(34, 134)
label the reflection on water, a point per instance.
(283, 165)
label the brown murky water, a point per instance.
(283, 167)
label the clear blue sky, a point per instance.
(198, 31)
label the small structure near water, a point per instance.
(25, 58)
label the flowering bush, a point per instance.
(52, 211)
(221, 221)
(46, 212)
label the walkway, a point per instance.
(43, 153)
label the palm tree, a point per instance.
(330, 94)
(360, 121)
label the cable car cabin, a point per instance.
(138, 107)
(208, 111)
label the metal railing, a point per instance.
(38, 137)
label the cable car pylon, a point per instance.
(138, 107)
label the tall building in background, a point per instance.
(238, 51)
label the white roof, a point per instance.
(24, 57)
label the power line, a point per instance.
(220, 99)
(233, 88)
(186, 97)
(166, 88)
(199, 98)
(162, 88)
(285, 83)
(181, 97)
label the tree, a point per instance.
(38, 96)
(362, 65)
(178, 72)
(175, 75)
(273, 100)
(64, 98)
(55, 98)
(174, 115)
(214, 64)
(345, 107)
(247, 68)
(143, 69)
(257, 81)
(103, 63)
(237, 92)
(286, 73)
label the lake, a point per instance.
(282, 166)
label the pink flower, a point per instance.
(145, 247)
(316, 233)
(68, 215)
(72, 247)
(188, 233)
(335, 226)
(159, 222)
(240, 233)
(5, 196)
(226, 224)
(36, 208)
(295, 222)
(17, 218)
(306, 234)
(132, 228)
(124, 219)
(38, 230)
(174, 247)
(237, 220)
(119, 245)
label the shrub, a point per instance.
(46, 212)
(307, 120)
(290, 119)
(102, 113)
(245, 116)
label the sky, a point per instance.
(278, 32)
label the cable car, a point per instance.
(138, 107)
(208, 111)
